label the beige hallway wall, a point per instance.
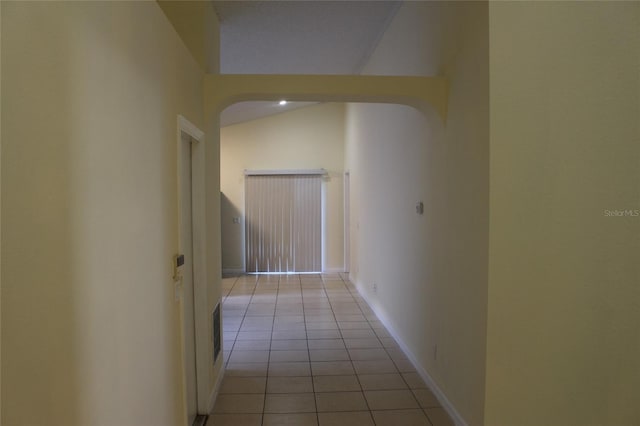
(429, 271)
(305, 138)
(90, 96)
(564, 301)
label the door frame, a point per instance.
(201, 318)
(347, 221)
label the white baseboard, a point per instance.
(216, 387)
(431, 384)
(231, 271)
(332, 270)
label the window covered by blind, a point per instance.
(283, 223)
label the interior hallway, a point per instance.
(307, 350)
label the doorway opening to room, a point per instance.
(273, 323)
(282, 189)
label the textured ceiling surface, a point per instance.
(245, 111)
(300, 37)
(296, 37)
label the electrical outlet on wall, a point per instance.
(374, 287)
(435, 352)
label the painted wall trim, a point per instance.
(346, 221)
(333, 270)
(285, 172)
(323, 225)
(426, 94)
(431, 384)
(199, 255)
(190, 128)
(215, 391)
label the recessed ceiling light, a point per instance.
(283, 102)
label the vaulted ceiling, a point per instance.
(296, 37)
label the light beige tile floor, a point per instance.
(307, 350)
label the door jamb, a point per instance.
(347, 221)
(201, 318)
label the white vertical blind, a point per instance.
(283, 223)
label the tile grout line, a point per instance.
(354, 368)
(267, 376)
(306, 334)
(389, 355)
(235, 282)
(326, 295)
(334, 297)
(244, 316)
